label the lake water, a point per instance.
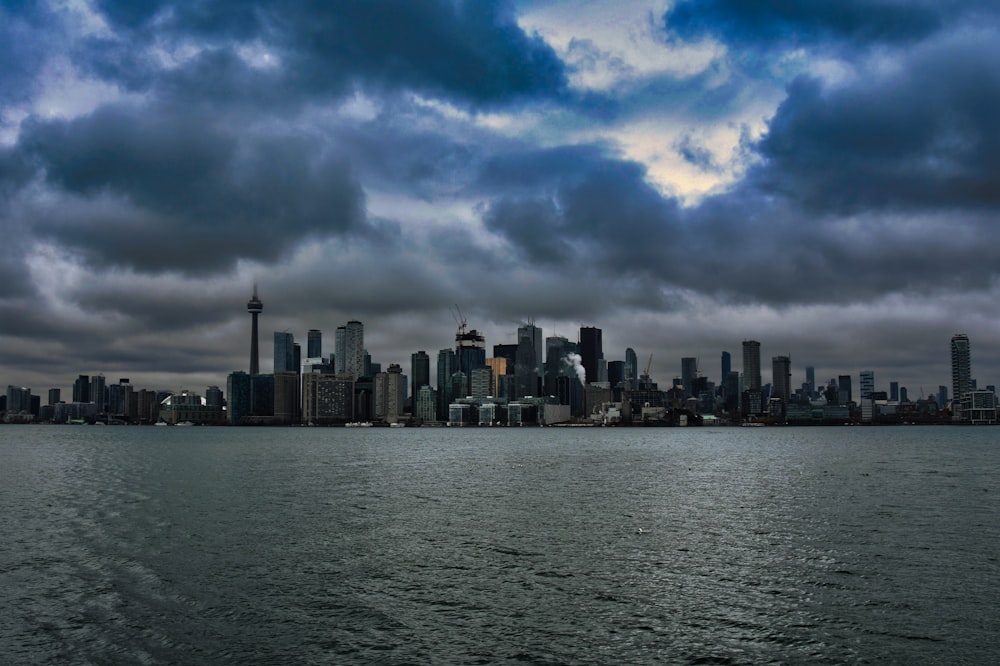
(402, 546)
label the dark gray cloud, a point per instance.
(469, 51)
(924, 135)
(171, 189)
(795, 22)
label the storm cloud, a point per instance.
(818, 176)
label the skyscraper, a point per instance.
(527, 360)
(340, 350)
(751, 365)
(961, 366)
(591, 349)
(446, 364)
(961, 372)
(866, 387)
(254, 307)
(781, 378)
(284, 352)
(689, 370)
(811, 380)
(314, 344)
(354, 348)
(727, 365)
(420, 371)
(631, 368)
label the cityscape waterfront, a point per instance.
(527, 382)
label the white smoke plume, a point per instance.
(575, 361)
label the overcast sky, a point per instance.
(819, 175)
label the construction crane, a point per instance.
(459, 319)
(648, 364)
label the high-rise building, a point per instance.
(81, 389)
(727, 365)
(689, 370)
(354, 348)
(844, 391)
(751, 365)
(446, 365)
(781, 378)
(97, 392)
(340, 350)
(390, 393)
(811, 380)
(420, 372)
(961, 371)
(482, 383)
(470, 353)
(254, 307)
(314, 343)
(286, 397)
(866, 387)
(555, 353)
(498, 368)
(894, 391)
(591, 349)
(631, 368)
(527, 363)
(55, 396)
(284, 352)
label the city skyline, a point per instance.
(682, 175)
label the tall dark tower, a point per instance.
(254, 307)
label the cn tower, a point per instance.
(254, 307)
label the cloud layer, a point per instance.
(822, 177)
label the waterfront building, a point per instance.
(327, 398)
(390, 393)
(97, 392)
(425, 408)
(482, 382)
(354, 348)
(340, 350)
(286, 397)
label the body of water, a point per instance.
(573, 545)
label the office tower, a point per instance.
(811, 380)
(509, 354)
(81, 389)
(591, 349)
(689, 370)
(284, 352)
(446, 364)
(844, 392)
(97, 394)
(55, 396)
(616, 377)
(903, 397)
(555, 352)
(314, 343)
(727, 365)
(527, 360)
(631, 369)
(894, 391)
(420, 372)
(254, 307)
(340, 350)
(286, 397)
(961, 367)
(942, 396)
(781, 378)
(751, 365)
(498, 368)
(18, 399)
(733, 391)
(354, 348)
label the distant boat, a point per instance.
(186, 423)
(358, 424)
(397, 425)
